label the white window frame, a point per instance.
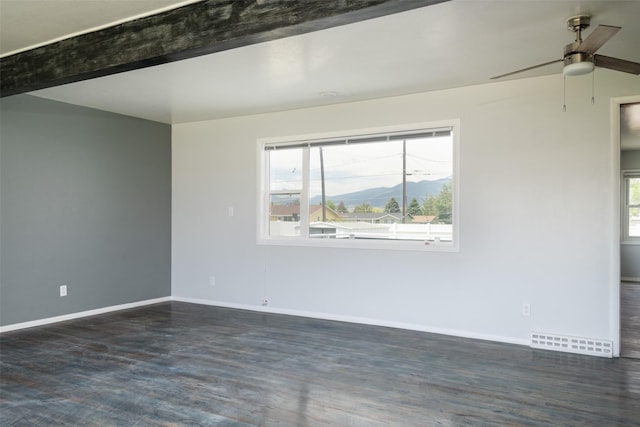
(624, 198)
(263, 237)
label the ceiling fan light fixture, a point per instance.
(576, 63)
(578, 68)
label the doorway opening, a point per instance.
(629, 229)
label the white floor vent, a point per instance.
(589, 346)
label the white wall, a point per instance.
(536, 216)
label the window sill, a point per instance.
(395, 245)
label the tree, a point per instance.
(363, 208)
(414, 208)
(429, 206)
(444, 204)
(331, 205)
(392, 206)
(341, 208)
(440, 205)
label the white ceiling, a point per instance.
(459, 43)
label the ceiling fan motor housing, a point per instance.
(577, 63)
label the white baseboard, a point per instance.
(77, 315)
(359, 320)
(274, 310)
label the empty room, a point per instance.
(319, 212)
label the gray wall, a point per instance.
(630, 159)
(630, 254)
(85, 202)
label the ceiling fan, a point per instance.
(579, 57)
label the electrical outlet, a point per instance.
(526, 309)
(230, 211)
(212, 280)
(63, 290)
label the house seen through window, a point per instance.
(394, 186)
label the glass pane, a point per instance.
(634, 191)
(285, 170)
(284, 215)
(634, 222)
(430, 172)
(353, 172)
(364, 192)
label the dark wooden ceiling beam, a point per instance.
(196, 29)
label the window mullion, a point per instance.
(266, 194)
(304, 195)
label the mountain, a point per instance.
(379, 196)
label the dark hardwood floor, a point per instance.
(630, 319)
(178, 364)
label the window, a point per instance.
(631, 206)
(383, 188)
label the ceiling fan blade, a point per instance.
(597, 38)
(617, 64)
(526, 69)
